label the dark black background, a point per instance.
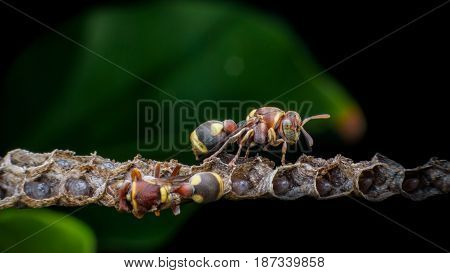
(401, 83)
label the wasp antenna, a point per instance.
(136, 174)
(308, 137)
(321, 116)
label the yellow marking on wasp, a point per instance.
(220, 181)
(277, 118)
(197, 198)
(272, 135)
(197, 144)
(133, 195)
(251, 114)
(247, 135)
(164, 194)
(195, 180)
(216, 128)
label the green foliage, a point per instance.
(60, 95)
(123, 233)
(41, 230)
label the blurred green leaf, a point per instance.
(60, 95)
(41, 230)
(119, 232)
(77, 100)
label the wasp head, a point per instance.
(291, 125)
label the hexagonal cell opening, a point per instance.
(425, 181)
(78, 186)
(282, 183)
(333, 182)
(416, 180)
(23, 158)
(240, 182)
(42, 187)
(107, 165)
(64, 164)
(369, 179)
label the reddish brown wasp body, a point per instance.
(154, 193)
(266, 126)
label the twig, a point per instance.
(64, 179)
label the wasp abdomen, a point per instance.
(208, 187)
(209, 134)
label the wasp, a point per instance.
(154, 193)
(266, 126)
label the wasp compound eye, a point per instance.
(208, 187)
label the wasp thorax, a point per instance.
(77, 187)
(146, 195)
(208, 187)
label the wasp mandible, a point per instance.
(266, 126)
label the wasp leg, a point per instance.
(273, 143)
(246, 137)
(230, 140)
(247, 152)
(283, 149)
(272, 135)
(176, 170)
(233, 161)
(157, 171)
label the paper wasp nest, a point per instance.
(62, 178)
